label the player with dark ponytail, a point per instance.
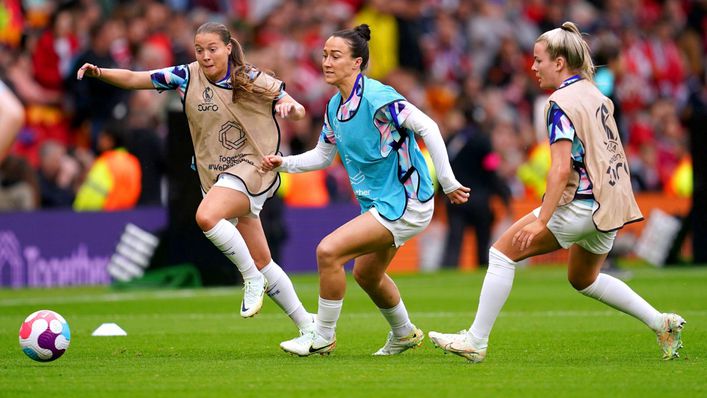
(373, 129)
(229, 105)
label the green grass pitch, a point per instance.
(548, 341)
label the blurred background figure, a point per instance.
(114, 180)
(475, 164)
(146, 142)
(57, 173)
(106, 42)
(19, 189)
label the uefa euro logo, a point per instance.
(208, 96)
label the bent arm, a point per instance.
(557, 177)
(317, 158)
(426, 128)
(288, 107)
(123, 78)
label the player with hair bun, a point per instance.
(373, 129)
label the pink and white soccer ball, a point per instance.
(44, 336)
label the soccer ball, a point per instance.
(44, 336)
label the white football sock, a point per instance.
(494, 292)
(226, 238)
(282, 292)
(617, 294)
(327, 315)
(398, 319)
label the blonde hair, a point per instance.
(567, 42)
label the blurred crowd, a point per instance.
(464, 62)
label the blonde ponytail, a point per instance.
(567, 42)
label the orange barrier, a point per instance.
(408, 258)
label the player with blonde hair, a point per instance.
(588, 198)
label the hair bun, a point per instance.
(570, 27)
(364, 31)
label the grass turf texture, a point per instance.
(192, 343)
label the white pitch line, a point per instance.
(465, 315)
(113, 297)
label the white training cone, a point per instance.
(109, 329)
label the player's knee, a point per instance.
(580, 282)
(326, 254)
(205, 219)
(261, 259)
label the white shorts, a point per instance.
(573, 224)
(416, 218)
(256, 202)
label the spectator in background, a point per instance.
(445, 50)
(475, 164)
(19, 189)
(52, 59)
(13, 15)
(609, 69)
(114, 180)
(55, 49)
(57, 172)
(508, 62)
(379, 14)
(411, 29)
(44, 119)
(144, 141)
(103, 36)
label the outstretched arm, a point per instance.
(122, 78)
(318, 158)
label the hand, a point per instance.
(284, 108)
(525, 236)
(271, 162)
(459, 196)
(89, 70)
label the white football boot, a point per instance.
(458, 344)
(253, 293)
(669, 335)
(309, 327)
(308, 343)
(396, 345)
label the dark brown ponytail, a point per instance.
(240, 81)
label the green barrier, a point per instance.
(172, 277)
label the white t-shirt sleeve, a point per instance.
(317, 158)
(426, 128)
